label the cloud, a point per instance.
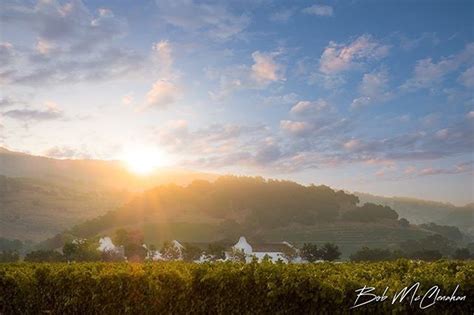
(307, 108)
(163, 58)
(428, 73)
(319, 10)
(265, 69)
(65, 152)
(7, 52)
(9, 101)
(373, 88)
(283, 99)
(467, 77)
(337, 58)
(213, 19)
(295, 128)
(52, 112)
(128, 99)
(162, 93)
(281, 16)
(72, 44)
(44, 47)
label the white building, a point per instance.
(273, 251)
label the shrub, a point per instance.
(224, 288)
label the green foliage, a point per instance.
(81, 250)
(330, 252)
(375, 254)
(450, 232)
(7, 244)
(426, 254)
(404, 223)
(462, 254)
(225, 288)
(430, 243)
(215, 251)
(191, 252)
(310, 252)
(370, 212)
(44, 256)
(9, 256)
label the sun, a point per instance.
(143, 160)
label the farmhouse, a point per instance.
(274, 251)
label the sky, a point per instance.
(370, 96)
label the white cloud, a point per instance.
(339, 57)
(265, 69)
(427, 73)
(373, 88)
(128, 99)
(281, 16)
(319, 9)
(162, 94)
(44, 47)
(467, 77)
(215, 20)
(295, 128)
(163, 57)
(306, 108)
(353, 145)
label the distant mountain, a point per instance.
(41, 196)
(423, 211)
(109, 174)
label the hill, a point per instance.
(41, 196)
(108, 174)
(263, 210)
(421, 211)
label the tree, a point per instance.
(135, 252)
(290, 253)
(215, 251)
(81, 250)
(427, 254)
(462, 254)
(111, 256)
(370, 212)
(9, 256)
(44, 256)
(191, 252)
(404, 223)
(373, 254)
(330, 252)
(310, 252)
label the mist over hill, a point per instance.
(108, 174)
(421, 211)
(41, 197)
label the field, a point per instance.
(227, 288)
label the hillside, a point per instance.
(34, 209)
(41, 196)
(267, 210)
(421, 211)
(109, 174)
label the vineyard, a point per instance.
(227, 288)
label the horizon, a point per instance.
(165, 168)
(330, 92)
